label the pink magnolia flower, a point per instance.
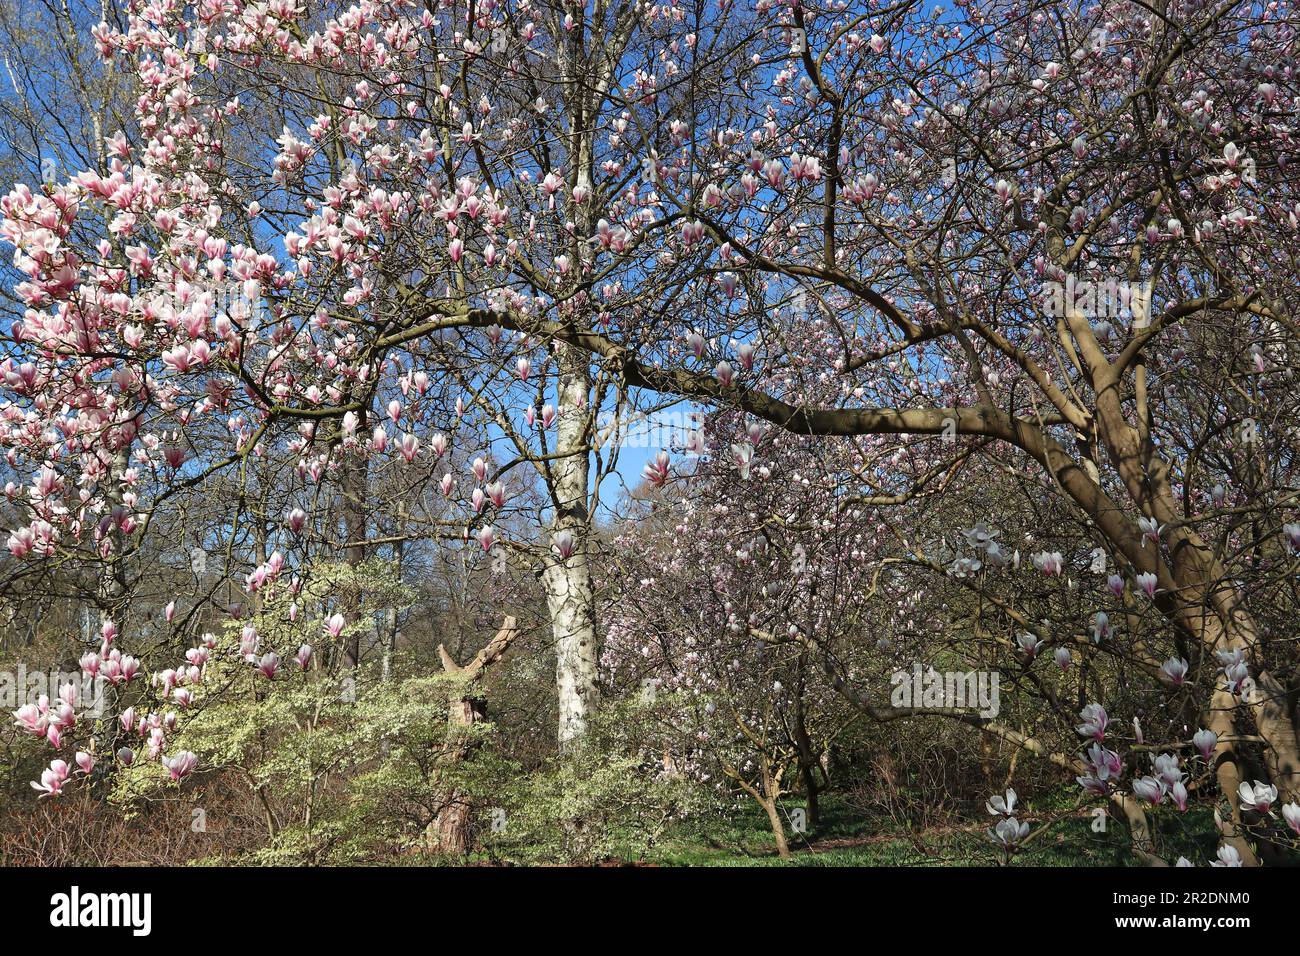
(1009, 832)
(1094, 722)
(180, 765)
(1174, 670)
(33, 718)
(1093, 785)
(269, 664)
(742, 454)
(1028, 643)
(805, 168)
(1049, 562)
(1105, 764)
(997, 805)
(1178, 794)
(1101, 628)
(1149, 789)
(1151, 530)
(1292, 534)
(1227, 857)
(656, 472)
(129, 668)
(248, 641)
(564, 544)
(1205, 741)
(53, 779)
(21, 542)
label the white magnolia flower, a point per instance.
(1009, 832)
(1259, 797)
(1002, 806)
(1228, 856)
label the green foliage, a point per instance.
(346, 765)
(610, 798)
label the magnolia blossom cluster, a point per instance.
(175, 691)
(1167, 779)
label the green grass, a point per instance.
(847, 838)
(1060, 836)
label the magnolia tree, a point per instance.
(1055, 241)
(1063, 242)
(1059, 243)
(733, 596)
(435, 166)
(743, 584)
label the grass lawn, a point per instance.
(847, 838)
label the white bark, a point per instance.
(569, 592)
(569, 598)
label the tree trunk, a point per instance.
(449, 832)
(778, 829)
(569, 592)
(808, 762)
(570, 596)
(1204, 602)
(112, 598)
(1139, 828)
(354, 491)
